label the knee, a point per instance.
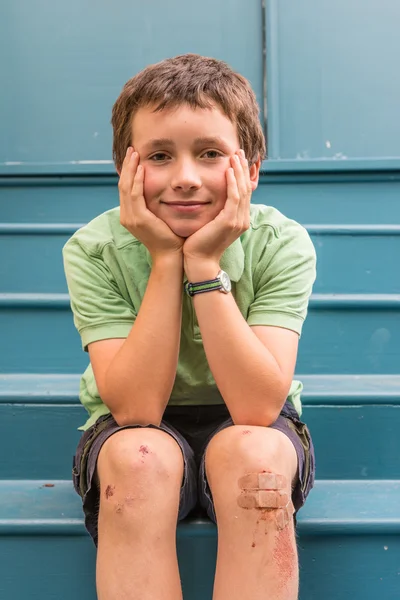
(139, 456)
(252, 468)
(241, 448)
(238, 451)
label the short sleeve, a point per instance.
(283, 280)
(100, 311)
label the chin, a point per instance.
(184, 230)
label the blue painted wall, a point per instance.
(334, 91)
(328, 98)
(331, 86)
(67, 63)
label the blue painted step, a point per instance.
(348, 539)
(354, 422)
(34, 251)
(343, 334)
(330, 197)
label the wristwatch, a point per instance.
(221, 283)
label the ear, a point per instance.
(255, 173)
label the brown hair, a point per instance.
(195, 80)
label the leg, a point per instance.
(140, 474)
(257, 552)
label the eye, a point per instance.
(214, 152)
(158, 157)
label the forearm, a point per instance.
(246, 373)
(141, 376)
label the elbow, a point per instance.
(126, 415)
(128, 412)
(259, 414)
(124, 419)
(261, 420)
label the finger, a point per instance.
(232, 193)
(246, 172)
(124, 186)
(243, 207)
(238, 165)
(129, 151)
(246, 189)
(137, 194)
(124, 176)
(246, 167)
(132, 168)
(127, 176)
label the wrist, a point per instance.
(168, 260)
(200, 269)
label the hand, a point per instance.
(209, 243)
(158, 238)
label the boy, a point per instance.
(190, 302)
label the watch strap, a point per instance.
(203, 286)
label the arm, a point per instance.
(135, 376)
(252, 367)
(133, 353)
(252, 362)
(136, 384)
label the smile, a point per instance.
(186, 206)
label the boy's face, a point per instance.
(185, 154)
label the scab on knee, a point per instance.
(267, 491)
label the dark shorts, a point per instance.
(192, 427)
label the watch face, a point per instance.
(226, 282)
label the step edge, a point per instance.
(334, 301)
(368, 389)
(307, 525)
(198, 528)
(334, 229)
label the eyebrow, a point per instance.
(209, 141)
(168, 143)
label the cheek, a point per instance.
(216, 181)
(152, 186)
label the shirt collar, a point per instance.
(232, 260)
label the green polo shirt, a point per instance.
(271, 266)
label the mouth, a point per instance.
(186, 206)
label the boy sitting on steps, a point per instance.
(190, 301)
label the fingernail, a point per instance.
(242, 153)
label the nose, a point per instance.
(185, 176)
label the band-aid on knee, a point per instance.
(263, 490)
(266, 491)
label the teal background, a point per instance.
(329, 96)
